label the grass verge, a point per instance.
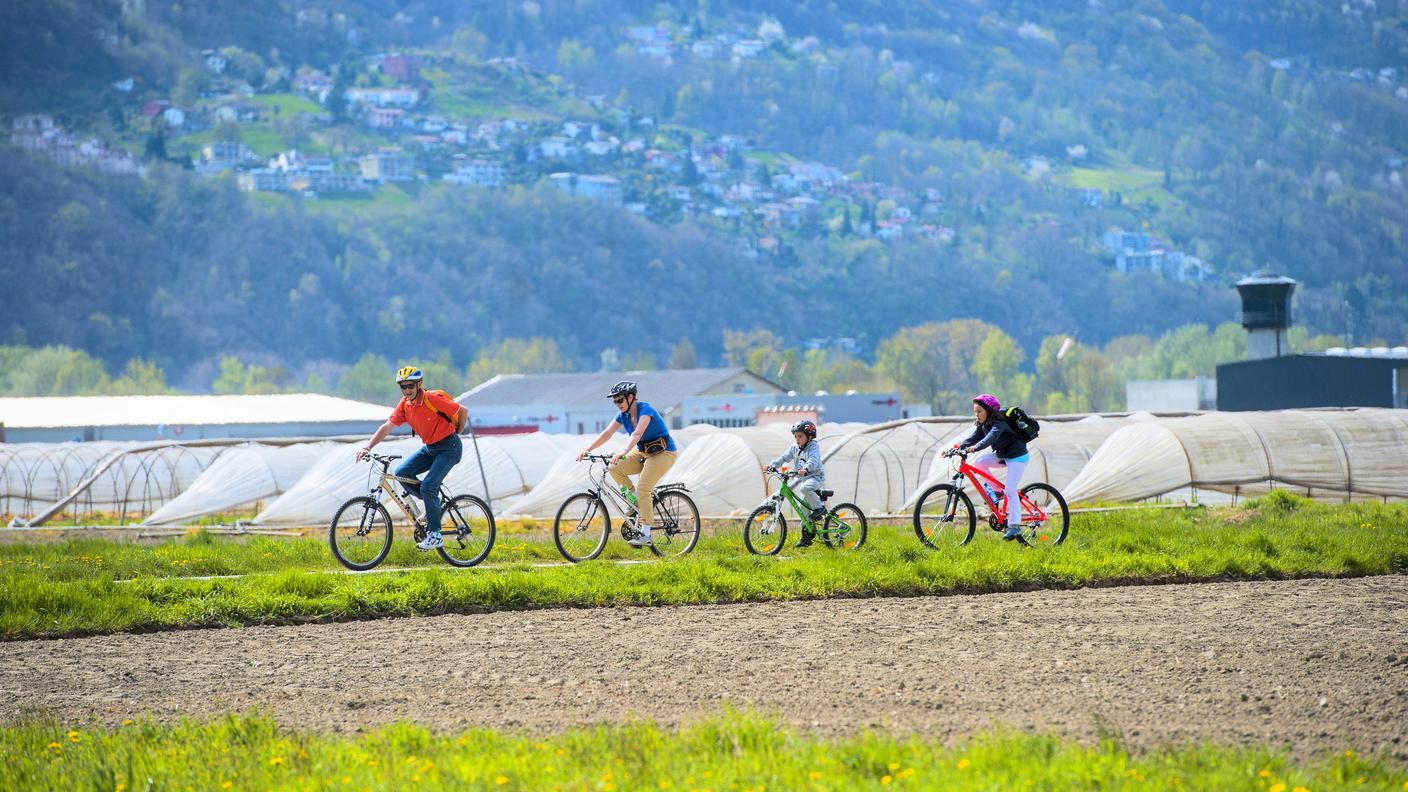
(90, 586)
(732, 751)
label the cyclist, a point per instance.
(436, 419)
(805, 461)
(1008, 449)
(653, 453)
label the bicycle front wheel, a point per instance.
(844, 528)
(468, 530)
(360, 534)
(765, 531)
(1045, 518)
(678, 524)
(944, 517)
(581, 527)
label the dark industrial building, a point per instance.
(1271, 379)
(1289, 381)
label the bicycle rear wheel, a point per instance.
(844, 528)
(765, 531)
(360, 533)
(581, 527)
(468, 530)
(944, 517)
(1051, 527)
(677, 524)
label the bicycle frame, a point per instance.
(384, 484)
(606, 492)
(998, 508)
(785, 492)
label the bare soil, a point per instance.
(1312, 665)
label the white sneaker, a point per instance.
(430, 542)
(642, 537)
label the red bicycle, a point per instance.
(944, 516)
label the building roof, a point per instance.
(664, 389)
(63, 411)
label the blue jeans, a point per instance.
(437, 458)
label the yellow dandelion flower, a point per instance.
(462, 742)
(1277, 787)
(1303, 789)
(708, 774)
(227, 784)
(609, 786)
(885, 780)
(664, 783)
(894, 766)
(541, 746)
(1265, 773)
(120, 787)
(276, 760)
(74, 736)
(501, 780)
(346, 780)
(963, 764)
(1349, 754)
(814, 775)
(416, 778)
(126, 721)
(302, 753)
(56, 746)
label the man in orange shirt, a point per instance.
(436, 419)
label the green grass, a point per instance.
(1135, 185)
(732, 751)
(89, 586)
(289, 104)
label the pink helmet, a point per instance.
(989, 401)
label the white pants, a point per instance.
(988, 463)
(806, 489)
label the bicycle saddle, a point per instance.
(824, 494)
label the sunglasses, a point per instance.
(408, 386)
(618, 399)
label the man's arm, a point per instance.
(377, 436)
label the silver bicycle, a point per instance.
(583, 523)
(360, 533)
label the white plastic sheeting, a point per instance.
(1330, 454)
(240, 477)
(877, 467)
(136, 478)
(511, 464)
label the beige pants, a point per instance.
(650, 468)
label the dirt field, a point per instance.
(1316, 664)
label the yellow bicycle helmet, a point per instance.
(409, 374)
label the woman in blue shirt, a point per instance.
(650, 451)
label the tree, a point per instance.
(754, 347)
(933, 362)
(996, 369)
(683, 356)
(370, 379)
(237, 378)
(517, 356)
(689, 173)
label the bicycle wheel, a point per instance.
(1051, 528)
(677, 520)
(944, 517)
(581, 527)
(844, 528)
(360, 533)
(468, 530)
(765, 531)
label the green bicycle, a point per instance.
(765, 531)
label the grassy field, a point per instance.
(88, 586)
(1135, 185)
(732, 751)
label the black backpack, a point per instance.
(1023, 425)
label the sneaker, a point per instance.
(642, 537)
(431, 542)
(817, 515)
(1013, 532)
(805, 541)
